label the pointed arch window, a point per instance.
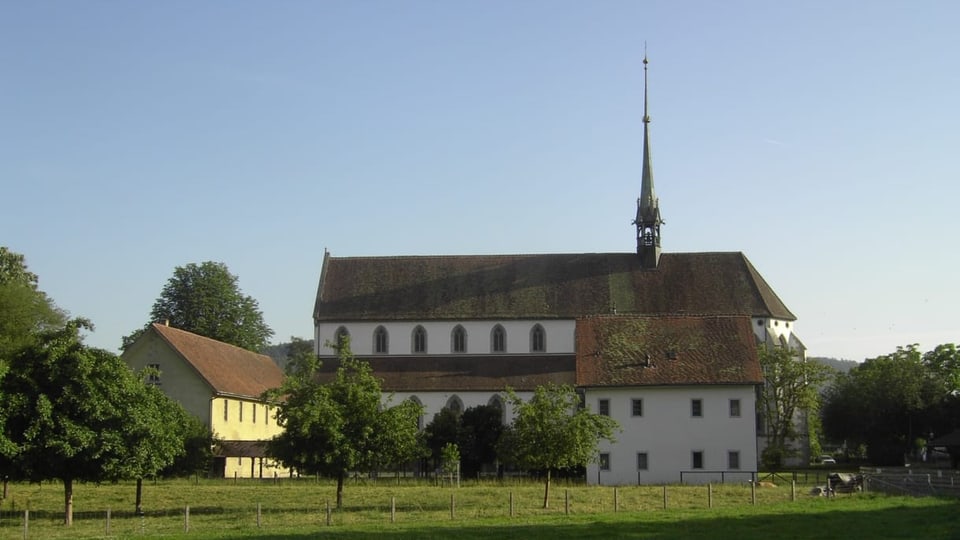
(458, 339)
(419, 340)
(455, 404)
(538, 339)
(342, 337)
(418, 403)
(498, 339)
(497, 403)
(381, 341)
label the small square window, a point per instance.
(636, 407)
(735, 408)
(154, 377)
(696, 408)
(642, 464)
(603, 407)
(604, 461)
(697, 459)
(733, 460)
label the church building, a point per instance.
(664, 343)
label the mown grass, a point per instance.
(297, 510)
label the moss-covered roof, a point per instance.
(541, 287)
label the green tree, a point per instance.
(790, 389)
(885, 404)
(480, 430)
(198, 443)
(337, 427)
(205, 299)
(13, 267)
(443, 429)
(74, 413)
(552, 431)
(450, 460)
(24, 309)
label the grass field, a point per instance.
(297, 510)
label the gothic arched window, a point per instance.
(458, 339)
(538, 339)
(419, 340)
(381, 341)
(498, 339)
(341, 337)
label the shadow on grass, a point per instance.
(937, 521)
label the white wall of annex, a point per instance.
(669, 434)
(559, 336)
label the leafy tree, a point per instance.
(340, 426)
(198, 443)
(206, 300)
(885, 403)
(24, 310)
(790, 389)
(480, 430)
(552, 431)
(450, 460)
(442, 430)
(76, 413)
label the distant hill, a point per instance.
(279, 352)
(843, 366)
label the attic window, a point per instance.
(671, 354)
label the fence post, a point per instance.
(616, 500)
(108, 521)
(453, 507)
(393, 509)
(709, 495)
(328, 513)
(511, 504)
(793, 491)
(258, 515)
(566, 502)
(186, 519)
(753, 493)
(664, 496)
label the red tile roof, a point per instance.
(667, 350)
(226, 368)
(485, 373)
(541, 286)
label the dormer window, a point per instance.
(538, 339)
(458, 340)
(380, 340)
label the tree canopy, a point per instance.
(889, 403)
(72, 412)
(791, 387)
(25, 311)
(205, 299)
(552, 431)
(340, 426)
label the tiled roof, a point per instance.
(464, 373)
(541, 286)
(670, 350)
(226, 368)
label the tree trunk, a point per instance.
(546, 492)
(139, 502)
(68, 501)
(340, 490)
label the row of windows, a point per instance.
(458, 339)
(696, 407)
(697, 460)
(252, 415)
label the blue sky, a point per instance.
(819, 138)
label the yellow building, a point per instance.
(221, 384)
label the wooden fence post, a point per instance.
(709, 495)
(616, 500)
(393, 509)
(186, 519)
(664, 496)
(511, 504)
(328, 513)
(753, 493)
(453, 506)
(793, 491)
(108, 522)
(566, 502)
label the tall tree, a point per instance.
(340, 426)
(480, 430)
(791, 388)
(888, 402)
(75, 413)
(205, 299)
(442, 430)
(24, 309)
(552, 431)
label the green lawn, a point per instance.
(297, 510)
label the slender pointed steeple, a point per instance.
(648, 219)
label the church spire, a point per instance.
(648, 206)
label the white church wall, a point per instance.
(669, 434)
(559, 336)
(434, 402)
(775, 328)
